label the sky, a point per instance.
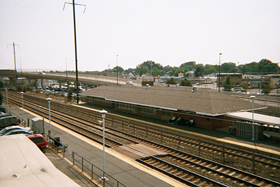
(129, 32)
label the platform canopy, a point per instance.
(23, 164)
(258, 118)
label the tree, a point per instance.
(252, 67)
(266, 66)
(188, 66)
(130, 70)
(229, 67)
(156, 72)
(266, 88)
(1, 84)
(209, 69)
(69, 94)
(141, 69)
(185, 82)
(1, 98)
(227, 84)
(171, 81)
(148, 67)
(245, 85)
(167, 69)
(118, 69)
(199, 71)
(175, 71)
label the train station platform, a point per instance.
(126, 169)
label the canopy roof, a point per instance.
(23, 164)
(258, 118)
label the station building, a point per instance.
(208, 108)
(205, 106)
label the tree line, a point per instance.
(150, 67)
(264, 66)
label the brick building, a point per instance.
(235, 78)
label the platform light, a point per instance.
(6, 89)
(21, 93)
(49, 105)
(253, 123)
(103, 112)
(220, 54)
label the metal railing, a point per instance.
(95, 172)
(56, 144)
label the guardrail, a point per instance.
(95, 172)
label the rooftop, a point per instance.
(204, 101)
(23, 164)
(259, 118)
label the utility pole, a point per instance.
(220, 72)
(117, 70)
(75, 45)
(15, 60)
(66, 68)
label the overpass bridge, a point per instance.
(85, 79)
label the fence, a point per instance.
(95, 172)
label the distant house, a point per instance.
(180, 74)
(274, 80)
(255, 81)
(235, 78)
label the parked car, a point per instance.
(8, 120)
(129, 82)
(239, 89)
(2, 109)
(39, 140)
(11, 128)
(18, 131)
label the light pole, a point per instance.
(117, 71)
(253, 123)
(6, 89)
(220, 54)
(278, 92)
(66, 68)
(103, 112)
(21, 93)
(49, 104)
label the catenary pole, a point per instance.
(76, 56)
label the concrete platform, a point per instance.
(136, 151)
(125, 168)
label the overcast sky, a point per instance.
(169, 32)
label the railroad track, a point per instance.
(217, 172)
(93, 132)
(129, 130)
